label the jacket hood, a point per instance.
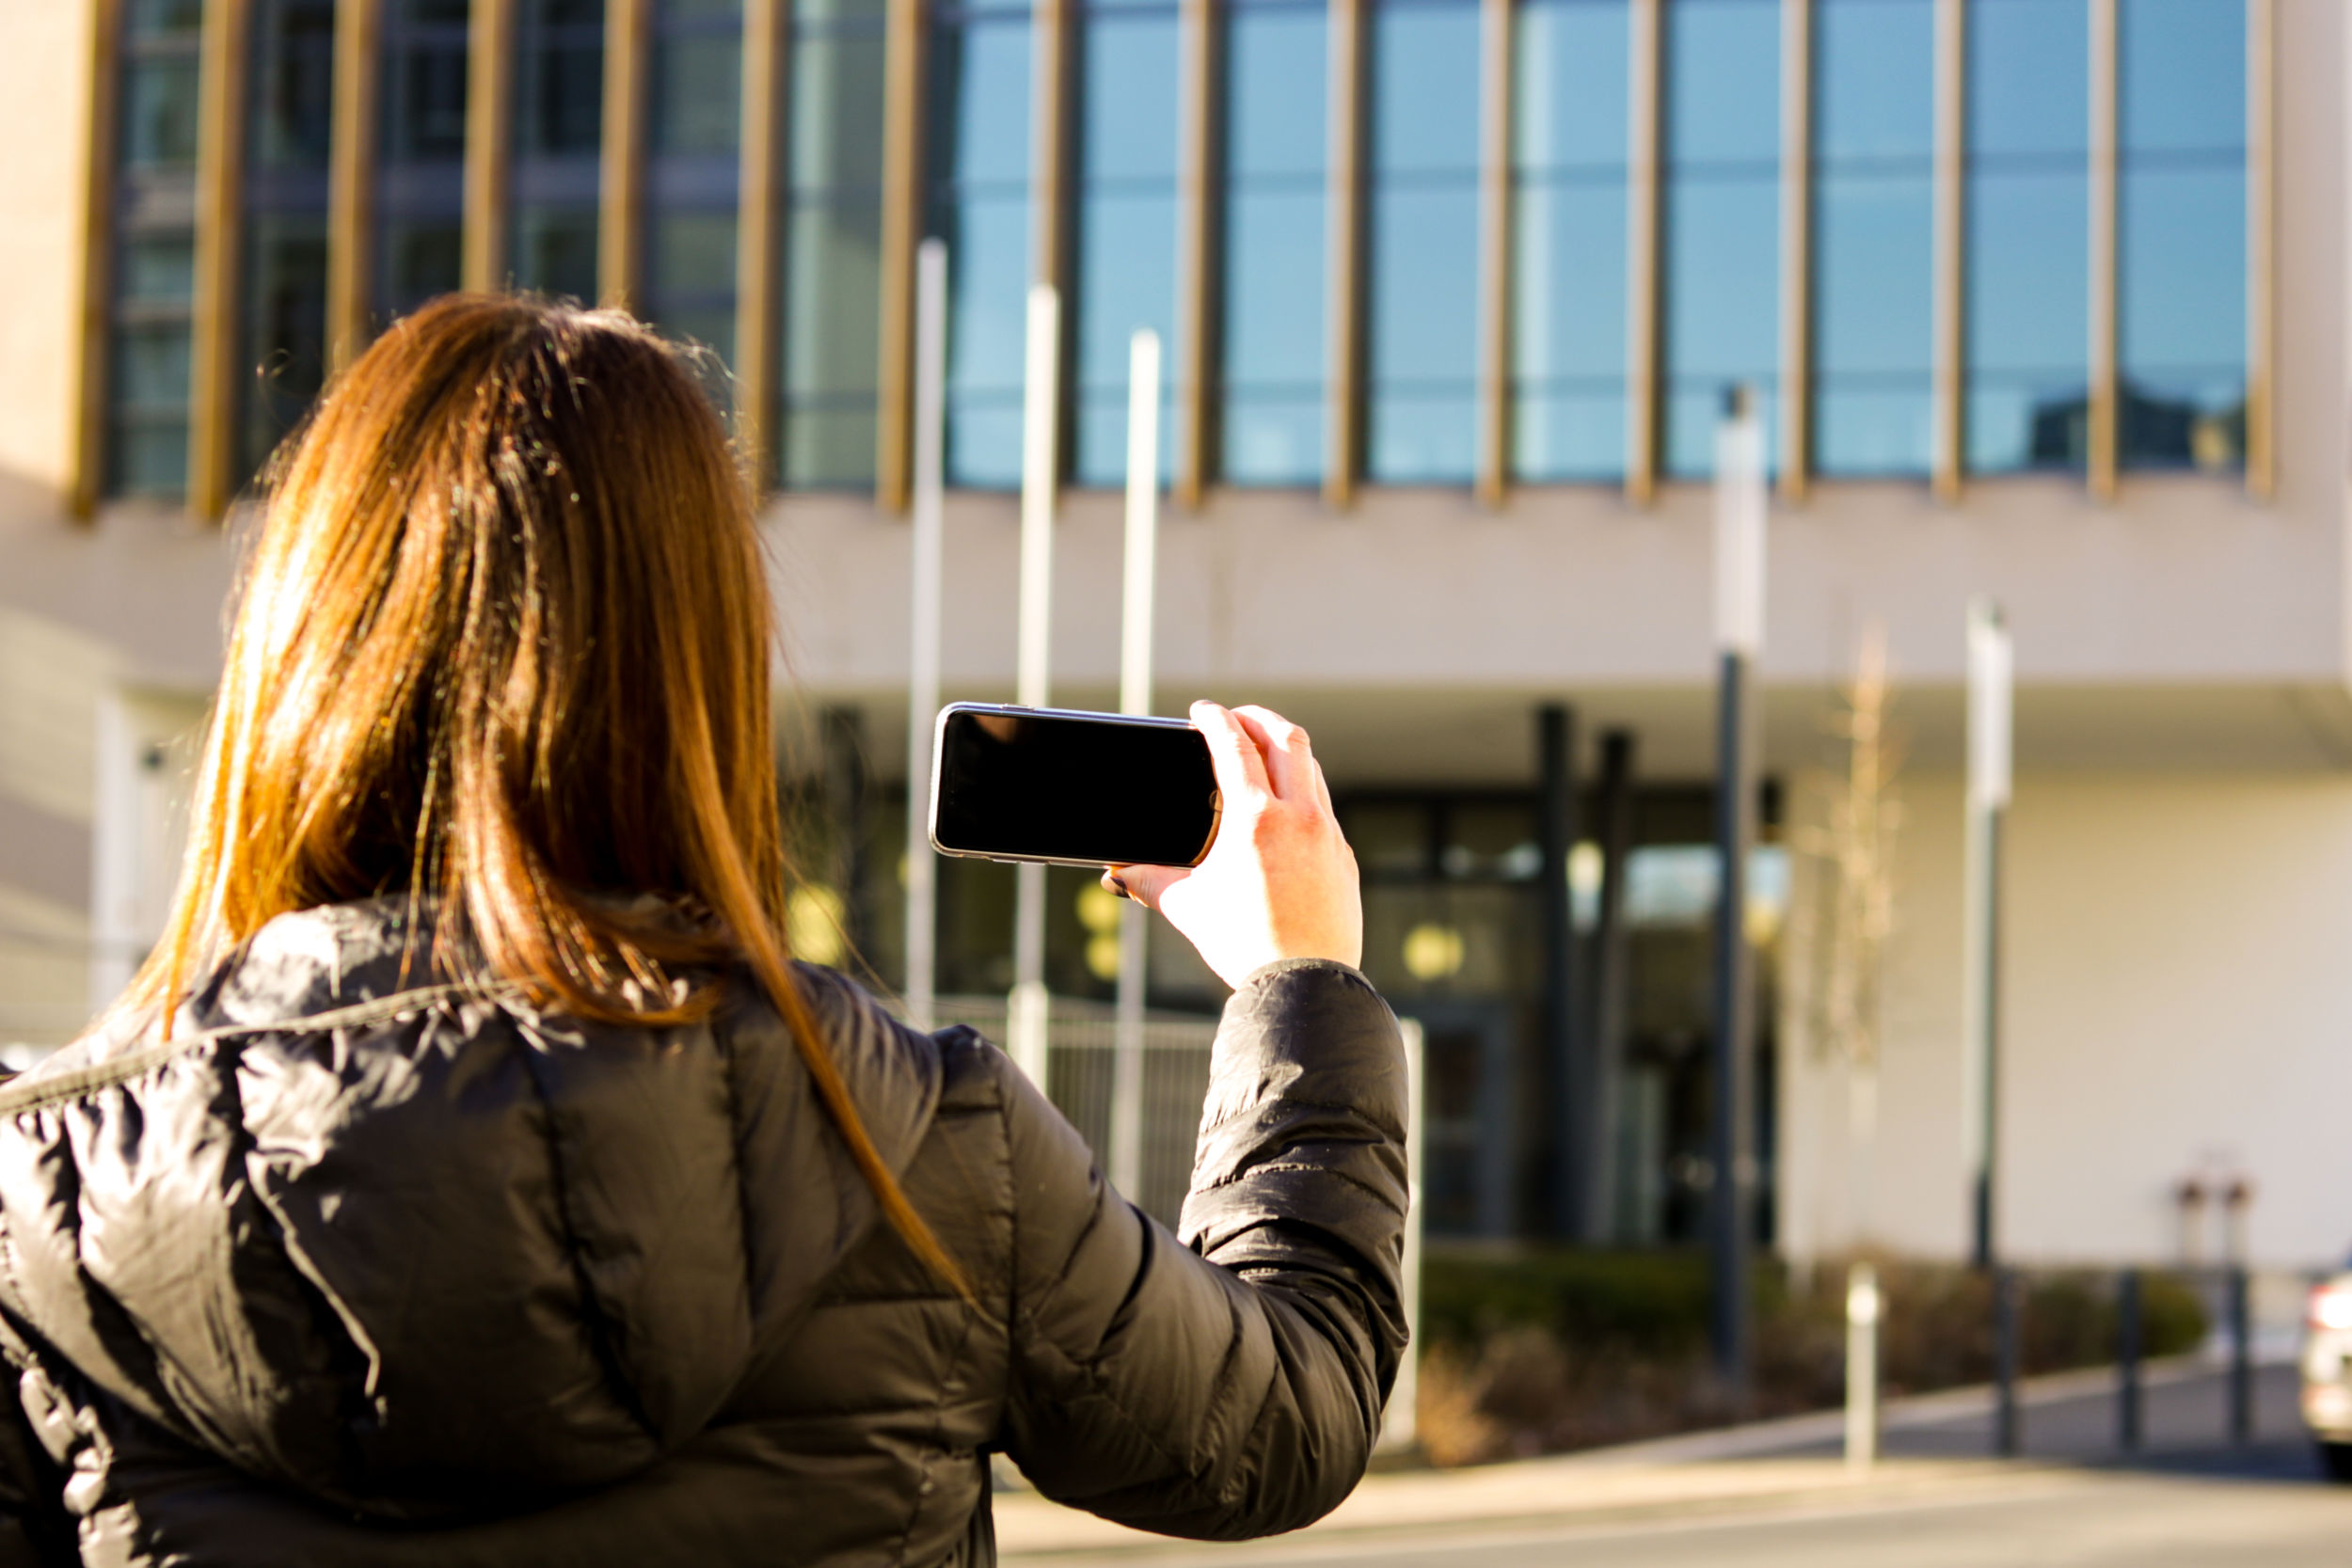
(422, 1250)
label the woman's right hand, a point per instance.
(1280, 882)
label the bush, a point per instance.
(1551, 1349)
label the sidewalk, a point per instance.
(1790, 1465)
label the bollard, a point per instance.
(2241, 1358)
(1863, 1306)
(2127, 1390)
(2005, 1337)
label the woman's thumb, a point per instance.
(1144, 883)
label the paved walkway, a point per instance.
(1937, 1445)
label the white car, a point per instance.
(2327, 1372)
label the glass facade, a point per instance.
(2027, 262)
(421, 180)
(979, 204)
(1873, 236)
(1721, 203)
(283, 327)
(149, 366)
(1272, 348)
(2181, 240)
(1569, 101)
(2180, 292)
(832, 263)
(1421, 270)
(1126, 223)
(557, 135)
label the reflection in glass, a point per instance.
(1126, 225)
(420, 176)
(1722, 217)
(559, 129)
(980, 159)
(1568, 281)
(694, 124)
(145, 437)
(2181, 241)
(1274, 314)
(2027, 267)
(1422, 360)
(1873, 215)
(833, 267)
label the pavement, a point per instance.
(1780, 1493)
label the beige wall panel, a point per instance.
(45, 84)
(2174, 952)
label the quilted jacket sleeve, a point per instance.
(1229, 1383)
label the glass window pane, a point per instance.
(691, 178)
(2181, 260)
(1126, 226)
(145, 19)
(1569, 241)
(833, 279)
(420, 181)
(293, 55)
(157, 269)
(1422, 295)
(559, 129)
(1873, 219)
(286, 330)
(981, 206)
(1722, 312)
(159, 112)
(1274, 309)
(149, 458)
(2028, 273)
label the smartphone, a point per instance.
(1021, 784)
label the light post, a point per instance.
(1134, 696)
(1991, 684)
(1024, 1011)
(928, 546)
(1740, 524)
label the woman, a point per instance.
(469, 1178)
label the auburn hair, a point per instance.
(502, 646)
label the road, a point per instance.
(2185, 1500)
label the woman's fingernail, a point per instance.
(1117, 884)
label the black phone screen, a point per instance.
(1096, 788)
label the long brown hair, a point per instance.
(502, 646)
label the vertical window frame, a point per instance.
(213, 477)
(490, 97)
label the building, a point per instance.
(2044, 299)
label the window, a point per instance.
(1422, 361)
(146, 434)
(832, 263)
(2181, 234)
(1568, 263)
(1873, 236)
(2027, 261)
(1722, 220)
(282, 326)
(694, 134)
(979, 163)
(420, 175)
(1272, 335)
(1126, 218)
(558, 134)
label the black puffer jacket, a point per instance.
(356, 1274)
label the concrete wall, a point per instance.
(2177, 954)
(44, 110)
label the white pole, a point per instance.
(1134, 696)
(1026, 1010)
(1398, 1431)
(928, 546)
(1863, 1308)
(1991, 682)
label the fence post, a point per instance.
(2005, 1358)
(1864, 1306)
(2128, 1345)
(2241, 1357)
